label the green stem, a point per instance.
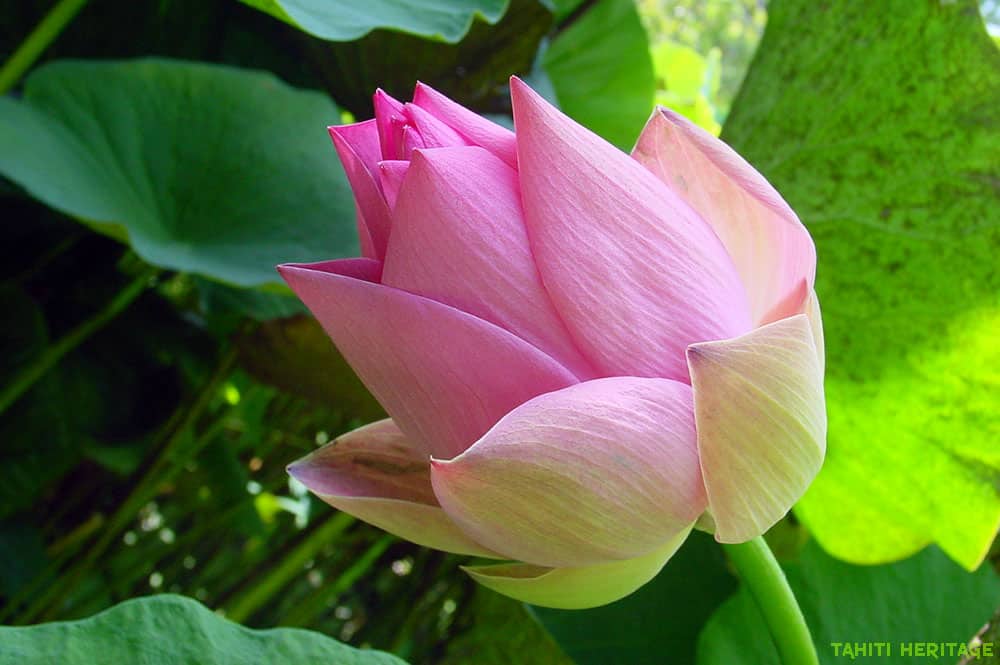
(44, 34)
(766, 582)
(29, 374)
(269, 583)
(168, 457)
(319, 601)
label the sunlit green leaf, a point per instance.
(172, 630)
(924, 600)
(600, 67)
(685, 80)
(888, 153)
(344, 20)
(206, 169)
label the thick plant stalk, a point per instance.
(40, 38)
(766, 582)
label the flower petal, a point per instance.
(435, 133)
(761, 418)
(634, 272)
(391, 173)
(358, 148)
(477, 129)
(458, 237)
(575, 588)
(812, 311)
(377, 475)
(443, 375)
(390, 119)
(601, 471)
(772, 251)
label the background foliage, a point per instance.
(156, 377)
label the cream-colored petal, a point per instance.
(605, 470)
(761, 421)
(576, 588)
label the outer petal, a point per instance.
(634, 272)
(761, 420)
(575, 588)
(443, 375)
(772, 251)
(377, 475)
(812, 311)
(458, 237)
(477, 129)
(358, 148)
(601, 471)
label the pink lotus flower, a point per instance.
(583, 352)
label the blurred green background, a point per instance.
(161, 157)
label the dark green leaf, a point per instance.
(172, 630)
(22, 555)
(35, 447)
(261, 304)
(202, 168)
(474, 72)
(602, 72)
(344, 20)
(657, 624)
(925, 599)
(296, 355)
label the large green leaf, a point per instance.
(657, 624)
(880, 123)
(473, 72)
(172, 630)
(925, 599)
(206, 169)
(602, 72)
(344, 20)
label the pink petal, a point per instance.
(391, 173)
(761, 418)
(390, 118)
(772, 251)
(575, 588)
(634, 272)
(377, 475)
(443, 375)
(458, 238)
(477, 129)
(359, 152)
(601, 471)
(435, 133)
(411, 141)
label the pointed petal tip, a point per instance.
(286, 270)
(296, 469)
(521, 91)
